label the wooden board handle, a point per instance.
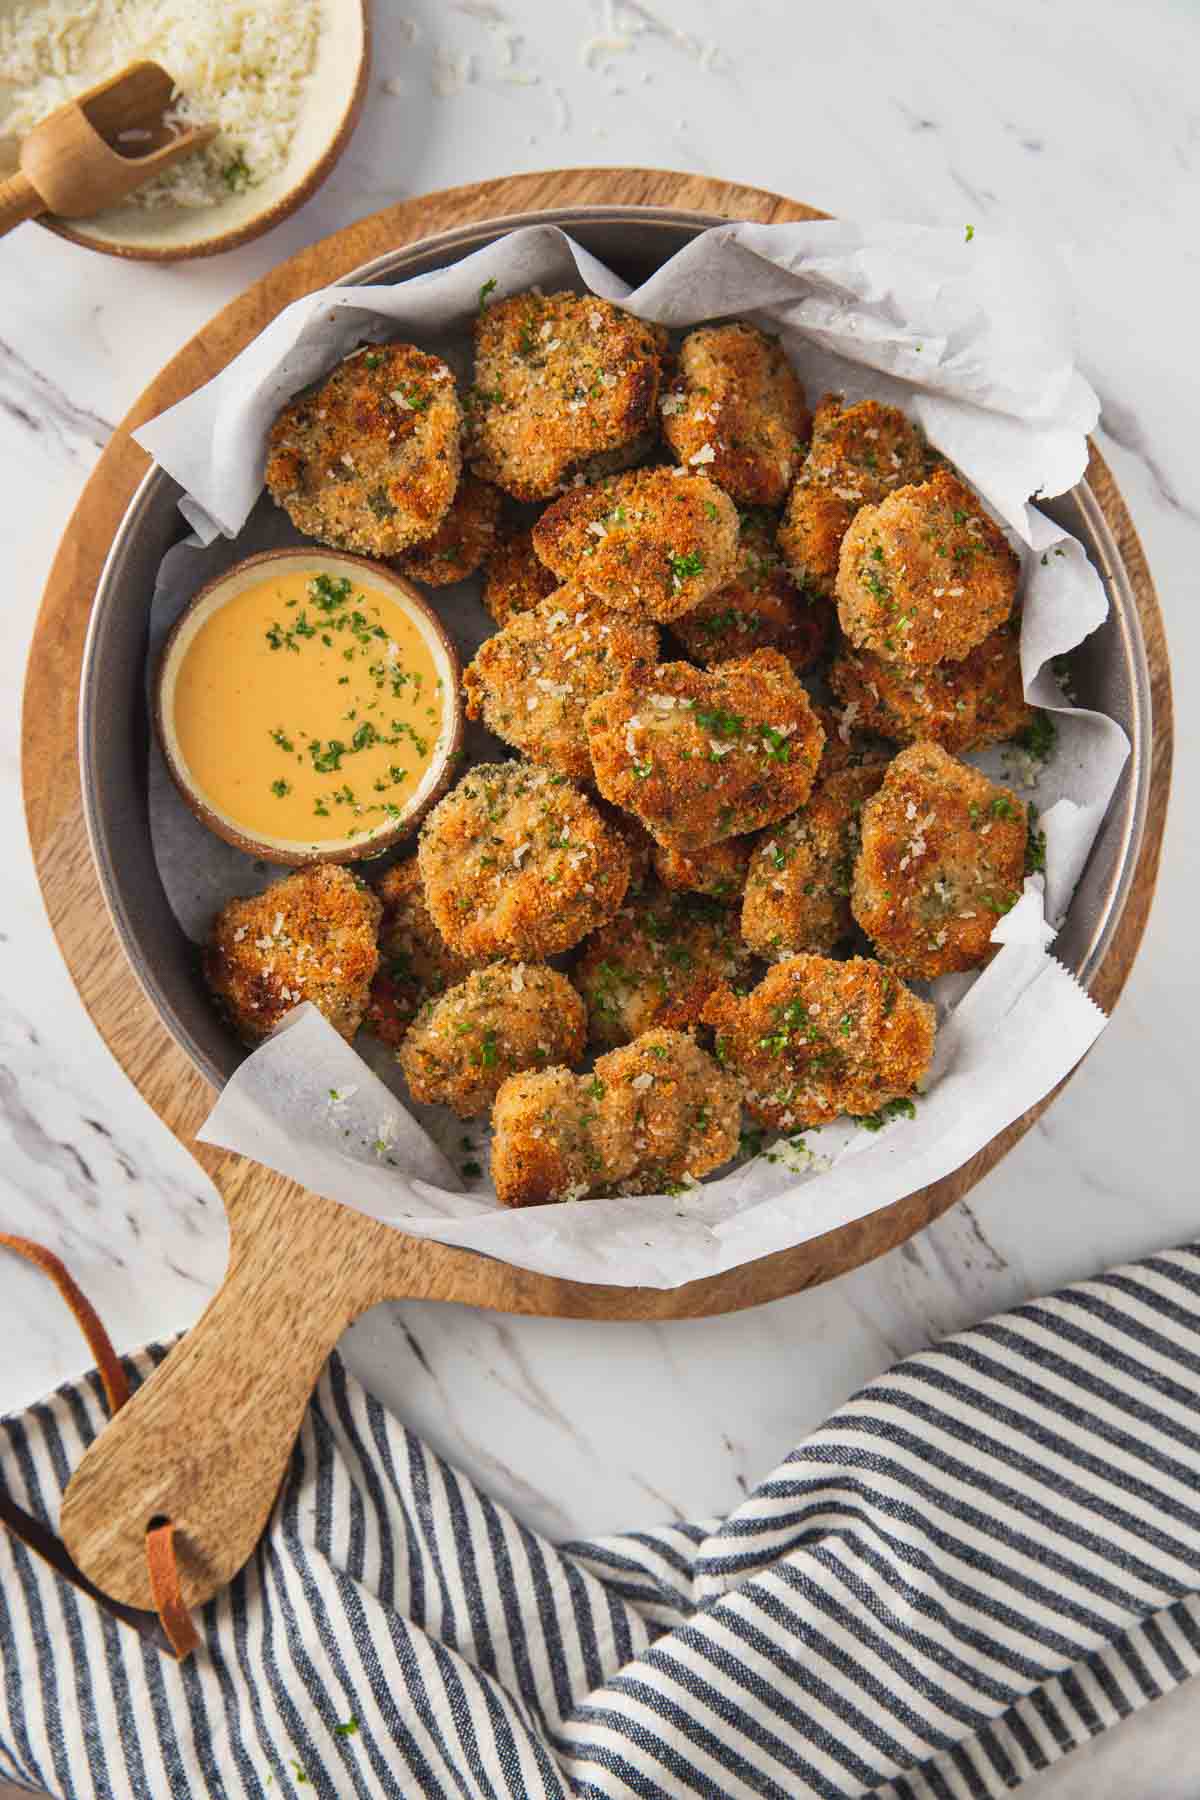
(206, 1440)
(19, 200)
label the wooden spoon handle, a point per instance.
(206, 1440)
(19, 200)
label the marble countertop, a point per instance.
(1066, 121)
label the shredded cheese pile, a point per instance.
(243, 63)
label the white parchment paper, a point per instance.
(973, 340)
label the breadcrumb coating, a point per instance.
(415, 961)
(701, 755)
(959, 705)
(719, 870)
(817, 1039)
(942, 858)
(564, 384)
(502, 1019)
(737, 410)
(925, 575)
(655, 1115)
(532, 682)
(760, 609)
(516, 578)
(656, 963)
(518, 863)
(653, 542)
(369, 459)
(798, 887)
(859, 455)
(463, 540)
(310, 936)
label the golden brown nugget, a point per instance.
(415, 961)
(959, 705)
(564, 384)
(859, 455)
(700, 755)
(760, 609)
(369, 459)
(925, 575)
(310, 936)
(652, 542)
(719, 870)
(502, 1019)
(532, 682)
(737, 410)
(866, 451)
(516, 578)
(817, 1038)
(653, 1116)
(463, 540)
(943, 857)
(656, 963)
(798, 887)
(516, 862)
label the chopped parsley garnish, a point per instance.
(489, 287)
(471, 1168)
(1039, 738)
(970, 231)
(1035, 845)
(236, 173)
(487, 1051)
(281, 788)
(684, 567)
(280, 737)
(902, 1108)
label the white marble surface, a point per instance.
(1080, 123)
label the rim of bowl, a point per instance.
(313, 177)
(276, 851)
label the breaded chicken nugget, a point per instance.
(704, 754)
(515, 578)
(859, 455)
(737, 410)
(760, 609)
(500, 1020)
(651, 542)
(635, 837)
(656, 963)
(867, 450)
(465, 537)
(943, 857)
(719, 870)
(310, 936)
(532, 682)
(798, 887)
(415, 961)
(369, 459)
(925, 575)
(959, 705)
(564, 384)
(517, 863)
(653, 1115)
(817, 1038)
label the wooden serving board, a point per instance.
(206, 1440)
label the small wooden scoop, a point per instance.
(92, 152)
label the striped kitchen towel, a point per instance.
(986, 1557)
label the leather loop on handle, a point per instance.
(173, 1619)
(19, 200)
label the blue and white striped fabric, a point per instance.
(986, 1557)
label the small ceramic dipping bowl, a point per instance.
(308, 706)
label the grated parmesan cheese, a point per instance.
(245, 63)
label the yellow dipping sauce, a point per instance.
(308, 708)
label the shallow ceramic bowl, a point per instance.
(337, 88)
(1108, 672)
(336, 564)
